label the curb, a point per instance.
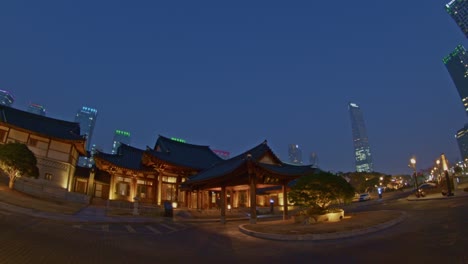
(326, 236)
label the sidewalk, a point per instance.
(458, 193)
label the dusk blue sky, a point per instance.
(230, 74)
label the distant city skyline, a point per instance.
(233, 74)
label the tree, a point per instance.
(17, 160)
(319, 190)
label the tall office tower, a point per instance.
(295, 154)
(362, 152)
(458, 10)
(462, 140)
(36, 109)
(86, 116)
(457, 66)
(6, 98)
(313, 159)
(120, 137)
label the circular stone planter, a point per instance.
(330, 217)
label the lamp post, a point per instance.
(413, 165)
(439, 177)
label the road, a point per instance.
(434, 232)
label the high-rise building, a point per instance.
(457, 66)
(120, 137)
(313, 159)
(458, 10)
(6, 98)
(362, 152)
(36, 109)
(462, 140)
(295, 154)
(86, 117)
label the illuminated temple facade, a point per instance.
(192, 176)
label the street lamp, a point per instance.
(413, 165)
(439, 177)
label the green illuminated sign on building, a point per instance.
(178, 139)
(123, 133)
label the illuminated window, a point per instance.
(48, 176)
(123, 188)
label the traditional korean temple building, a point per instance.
(193, 176)
(57, 144)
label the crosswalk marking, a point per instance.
(105, 228)
(5, 213)
(130, 229)
(76, 226)
(169, 227)
(154, 230)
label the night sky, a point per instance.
(230, 74)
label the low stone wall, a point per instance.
(49, 192)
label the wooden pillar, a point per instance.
(90, 190)
(223, 204)
(253, 199)
(285, 201)
(133, 190)
(112, 190)
(155, 190)
(198, 200)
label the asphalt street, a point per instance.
(434, 232)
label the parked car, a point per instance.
(364, 197)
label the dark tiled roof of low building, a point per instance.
(49, 127)
(127, 157)
(184, 154)
(255, 154)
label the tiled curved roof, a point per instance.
(46, 126)
(255, 154)
(127, 157)
(184, 154)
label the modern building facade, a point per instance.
(295, 154)
(457, 66)
(36, 109)
(458, 10)
(314, 160)
(86, 117)
(362, 152)
(462, 140)
(6, 98)
(120, 137)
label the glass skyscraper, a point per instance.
(37, 109)
(462, 140)
(457, 66)
(295, 154)
(120, 137)
(458, 10)
(86, 116)
(362, 152)
(6, 98)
